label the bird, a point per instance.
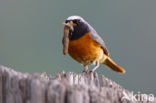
(84, 45)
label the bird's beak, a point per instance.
(69, 24)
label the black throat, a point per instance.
(79, 31)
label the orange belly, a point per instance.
(85, 50)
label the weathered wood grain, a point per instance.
(16, 87)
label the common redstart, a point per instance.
(85, 46)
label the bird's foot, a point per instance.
(84, 71)
(88, 71)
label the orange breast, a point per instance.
(85, 50)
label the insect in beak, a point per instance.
(70, 25)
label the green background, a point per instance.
(31, 34)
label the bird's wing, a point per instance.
(99, 40)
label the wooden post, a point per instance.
(16, 87)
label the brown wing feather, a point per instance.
(99, 40)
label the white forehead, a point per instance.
(75, 17)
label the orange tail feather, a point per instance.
(113, 66)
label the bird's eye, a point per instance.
(66, 21)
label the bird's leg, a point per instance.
(97, 65)
(85, 68)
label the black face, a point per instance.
(80, 29)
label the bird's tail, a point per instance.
(113, 66)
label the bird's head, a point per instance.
(77, 26)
